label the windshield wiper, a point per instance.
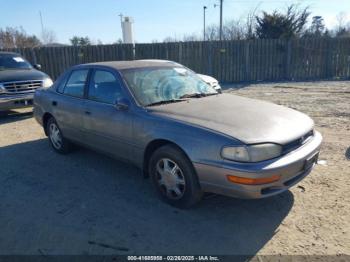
(166, 102)
(197, 95)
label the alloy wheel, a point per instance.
(55, 136)
(170, 178)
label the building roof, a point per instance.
(53, 45)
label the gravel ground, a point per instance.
(87, 203)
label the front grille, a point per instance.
(20, 87)
(297, 143)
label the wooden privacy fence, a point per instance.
(228, 61)
(55, 60)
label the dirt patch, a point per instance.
(319, 222)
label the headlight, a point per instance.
(253, 153)
(47, 83)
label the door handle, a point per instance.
(54, 103)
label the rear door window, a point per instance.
(76, 83)
(62, 83)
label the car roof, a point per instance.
(121, 65)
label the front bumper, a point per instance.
(13, 101)
(291, 167)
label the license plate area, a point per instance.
(310, 161)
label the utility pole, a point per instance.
(220, 29)
(221, 7)
(204, 9)
(42, 24)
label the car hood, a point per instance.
(21, 75)
(248, 120)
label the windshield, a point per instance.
(165, 84)
(13, 61)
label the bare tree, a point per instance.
(170, 39)
(12, 37)
(233, 30)
(250, 25)
(342, 28)
(341, 20)
(212, 32)
(48, 36)
(191, 37)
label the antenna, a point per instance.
(121, 17)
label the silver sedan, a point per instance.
(183, 134)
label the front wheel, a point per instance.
(174, 177)
(57, 141)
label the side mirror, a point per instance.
(122, 104)
(37, 66)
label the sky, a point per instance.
(154, 19)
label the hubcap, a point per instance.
(170, 178)
(55, 136)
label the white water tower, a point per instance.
(127, 28)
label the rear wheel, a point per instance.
(57, 141)
(174, 177)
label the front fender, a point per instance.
(201, 145)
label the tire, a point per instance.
(174, 177)
(58, 142)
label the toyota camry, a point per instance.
(183, 134)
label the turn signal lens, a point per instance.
(253, 181)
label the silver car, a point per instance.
(189, 139)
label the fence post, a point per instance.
(329, 58)
(35, 60)
(180, 52)
(288, 59)
(247, 58)
(210, 60)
